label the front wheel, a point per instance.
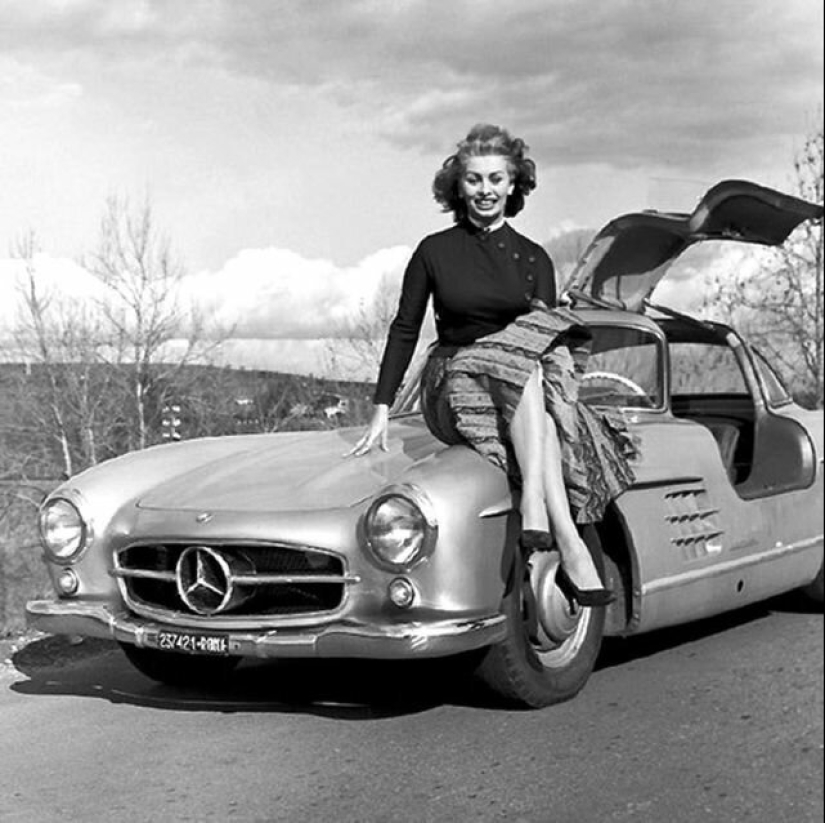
(549, 653)
(814, 592)
(181, 670)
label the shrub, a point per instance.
(23, 574)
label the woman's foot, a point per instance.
(584, 597)
(579, 569)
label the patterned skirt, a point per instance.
(469, 396)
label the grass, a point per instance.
(22, 571)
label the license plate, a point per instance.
(193, 643)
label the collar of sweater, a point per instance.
(478, 228)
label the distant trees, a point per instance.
(145, 311)
(100, 370)
(355, 347)
(781, 309)
(70, 400)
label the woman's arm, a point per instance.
(545, 278)
(404, 329)
(403, 336)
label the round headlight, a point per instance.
(62, 529)
(398, 531)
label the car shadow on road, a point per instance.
(618, 651)
(350, 690)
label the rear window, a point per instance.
(703, 368)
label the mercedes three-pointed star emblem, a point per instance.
(204, 580)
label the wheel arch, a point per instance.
(621, 571)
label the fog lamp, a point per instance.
(401, 592)
(67, 582)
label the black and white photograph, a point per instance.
(411, 411)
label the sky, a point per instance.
(288, 147)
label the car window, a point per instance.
(705, 368)
(774, 388)
(624, 369)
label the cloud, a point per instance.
(279, 309)
(691, 278)
(25, 86)
(57, 278)
(625, 84)
(276, 293)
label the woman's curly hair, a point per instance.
(484, 139)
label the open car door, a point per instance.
(629, 257)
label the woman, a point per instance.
(504, 375)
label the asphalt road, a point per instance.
(719, 721)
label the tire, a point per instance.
(549, 666)
(814, 592)
(180, 670)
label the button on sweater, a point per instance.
(479, 281)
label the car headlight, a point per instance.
(63, 531)
(400, 528)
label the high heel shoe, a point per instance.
(533, 540)
(584, 597)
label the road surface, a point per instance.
(718, 721)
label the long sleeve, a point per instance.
(404, 329)
(546, 280)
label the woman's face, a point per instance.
(484, 186)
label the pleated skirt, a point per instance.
(469, 396)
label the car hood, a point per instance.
(299, 471)
(629, 257)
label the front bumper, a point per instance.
(391, 641)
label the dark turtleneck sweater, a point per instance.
(480, 281)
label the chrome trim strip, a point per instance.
(266, 579)
(143, 574)
(244, 579)
(502, 506)
(720, 569)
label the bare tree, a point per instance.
(35, 337)
(355, 349)
(63, 392)
(146, 311)
(781, 309)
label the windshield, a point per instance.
(624, 369)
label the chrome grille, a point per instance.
(266, 580)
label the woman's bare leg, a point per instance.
(575, 555)
(527, 432)
(544, 499)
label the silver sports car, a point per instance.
(196, 554)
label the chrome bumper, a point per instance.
(381, 642)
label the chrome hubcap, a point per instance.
(558, 619)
